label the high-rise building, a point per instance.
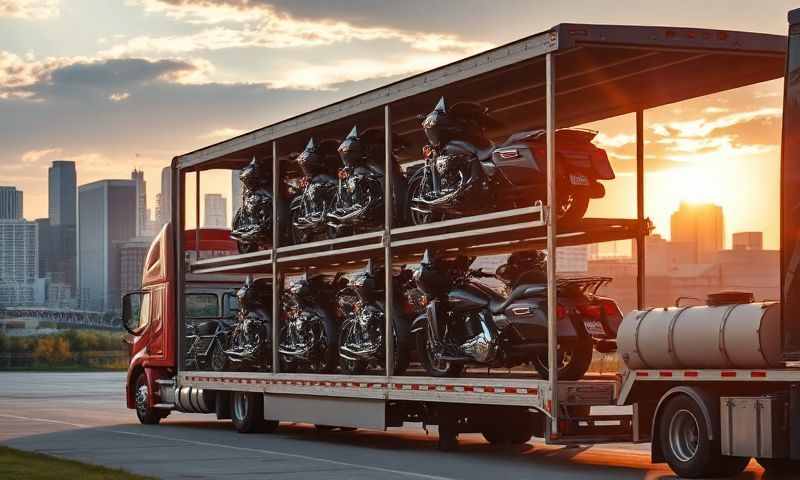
(163, 199)
(572, 259)
(132, 255)
(748, 241)
(106, 218)
(62, 193)
(19, 262)
(10, 203)
(216, 214)
(700, 225)
(45, 245)
(141, 202)
(236, 192)
(60, 236)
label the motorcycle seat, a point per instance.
(521, 291)
(206, 328)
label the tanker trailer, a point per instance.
(730, 331)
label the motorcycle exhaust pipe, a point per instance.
(362, 354)
(357, 213)
(303, 353)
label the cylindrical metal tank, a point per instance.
(727, 336)
(194, 400)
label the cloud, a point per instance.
(225, 132)
(31, 78)
(702, 127)
(250, 24)
(33, 156)
(620, 140)
(119, 96)
(29, 9)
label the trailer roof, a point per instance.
(601, 71)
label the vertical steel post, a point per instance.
(387, 244)
(552, 209)
(178, 217)
(276, 276)
(197, 215)
(640, 253)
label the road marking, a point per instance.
(231, 447)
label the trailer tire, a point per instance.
(247, 412)
(685, 443)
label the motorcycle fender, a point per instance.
(597, 190)
(419, 323)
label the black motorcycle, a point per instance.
(359, 203)
(252, 223)
(362, 307)
(466, 174)
(249, 343)
(467, 322)
(309, 334)
(319, 185)
(205, 345)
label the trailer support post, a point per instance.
(388, 203)
(640, 253)
(552, 214)
(276, 277)
(197, 215)
(178, 217)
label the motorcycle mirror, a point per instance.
(427, 257)
(370, 268)
(441, 105)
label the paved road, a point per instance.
(82, 416)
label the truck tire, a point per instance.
(247, 413)
(778, 465)
(147, 415)
(517, 431)
(683, 434)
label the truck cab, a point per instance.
(149, 315)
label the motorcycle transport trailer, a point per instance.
(571, 74)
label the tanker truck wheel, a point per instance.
(247, 413)
(683, 434)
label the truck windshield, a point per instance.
(790, 198)
(202, 305)
(230, 305)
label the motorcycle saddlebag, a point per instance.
(528, 319)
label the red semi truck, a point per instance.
(701, 421)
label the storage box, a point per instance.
(754, 426)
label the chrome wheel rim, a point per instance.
(684, 435)
(141, 399)
(218, 358)
(240, 406)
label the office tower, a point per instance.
(216, 215)
(236, 192)
(701, 226)
(164, 198)
(45, 246)
(141, 202)
(19, 262)
(748, 241)
(60, 260)
(61, 193)
(10, 203)
(106, 218)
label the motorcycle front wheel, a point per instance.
(433, 366)
(350, 367)
(574, 357)
(219, 359)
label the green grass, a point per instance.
(15, 464)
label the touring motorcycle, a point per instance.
(205, 344)
(466, 174)
(362, 308)
(308, 339)
(252, 223)
(360, 196)
(249, 342)
(466, 322)
(318, 188)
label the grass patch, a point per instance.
(16, 464)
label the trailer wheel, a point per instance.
(517, 431)
(146, 414)
(683, 433)
(247, 413)
(448, 437)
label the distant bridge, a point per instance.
(63, 318)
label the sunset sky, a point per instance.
(118, 84)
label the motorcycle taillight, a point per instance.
(561, 311)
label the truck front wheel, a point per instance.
(147, 415)
(247, 413)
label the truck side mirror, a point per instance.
(135, 311)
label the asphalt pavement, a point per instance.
(82, 416)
